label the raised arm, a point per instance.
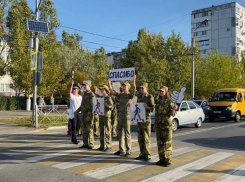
(134, 85)
(110, 87)
(70, 91)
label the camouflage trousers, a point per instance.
(114, 123)
(144, 138)
(96, 124)
(105, 132)
(124, 133)
(87, 132)
(164, 143)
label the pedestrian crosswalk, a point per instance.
(189, 163)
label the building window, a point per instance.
(203, 51)
(199, 15)
(201, 24)
(204, 33)
(201, 33)
(205, 14)
(237, 10)
(204, 42)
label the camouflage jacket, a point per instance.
(149, 100)
(107, 111)
(163, 111)
(124, 100)
(87, 104)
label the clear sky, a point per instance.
(122, 19)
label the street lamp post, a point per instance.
(193, 61)
(192, 68)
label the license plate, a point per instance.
(217, 111)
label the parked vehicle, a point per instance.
(203, 104)
(188, 113)
(228, 103)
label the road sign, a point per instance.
(37, 26)
(33, 60)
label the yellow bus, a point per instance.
(228, 103)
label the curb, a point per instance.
(56, 127)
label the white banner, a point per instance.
(116, 86)
(98, 106)
(121, 74)
(137, 112)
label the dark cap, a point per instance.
(76, 86)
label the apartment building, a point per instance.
(114, 59)
(221, 27)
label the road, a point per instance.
(216, 151)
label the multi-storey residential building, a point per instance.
(114, 59)
(221, 27)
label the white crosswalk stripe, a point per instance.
(190, 168)
(19, 152)
(63, 153)
(237, 175)
(117, 169)
(30, 144)
(83, 161)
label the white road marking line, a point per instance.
(63, 153)
(29, 144)
(189, 168)
(86, 160)
(106, 172)
(20, 152)
(237, 175)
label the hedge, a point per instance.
(12, 103)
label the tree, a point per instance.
(218, 71)
(159, 61)
(4, 58)
(20, 71)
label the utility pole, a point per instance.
(35, 117)
(193, 69)
(204, 22)
(37, 59)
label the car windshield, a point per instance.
(198, 102)
(224, 96)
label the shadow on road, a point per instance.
(229, 143)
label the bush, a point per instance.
(12, 103)
(3, 102)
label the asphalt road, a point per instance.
(220, 135)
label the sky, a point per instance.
(122, 19)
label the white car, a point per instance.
(187, 113)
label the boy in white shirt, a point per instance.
(75, 102)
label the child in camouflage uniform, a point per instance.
(105, 121)
(163, 126)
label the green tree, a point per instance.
(20, 70)
(159, 61)
(4, 61)
(218, 71)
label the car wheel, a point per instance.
(237, 117)
(175, 124)
(199, 123)
(211, 119)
